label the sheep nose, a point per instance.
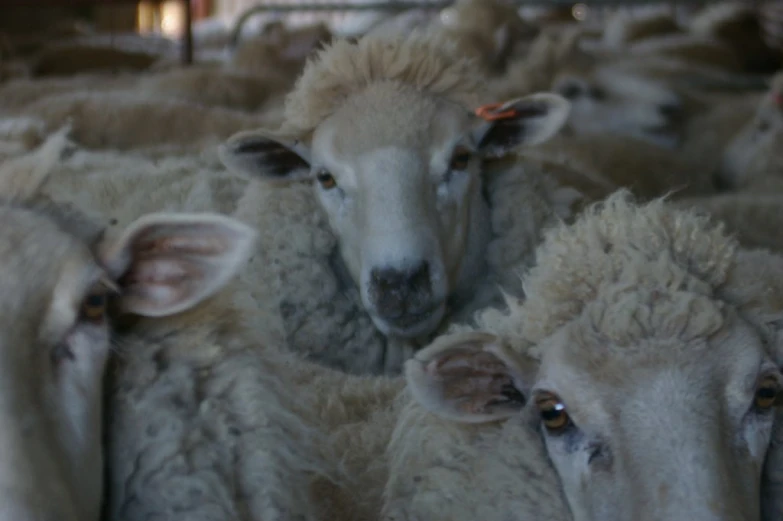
(396, 292)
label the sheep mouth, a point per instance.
(411, 319)
(412, 325)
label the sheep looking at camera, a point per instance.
(403, 226)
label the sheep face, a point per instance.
(755, 154)
(57, 282)
(397, 172)
(605, 100)
(666, 423)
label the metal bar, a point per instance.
(402, 5)
(187, 37)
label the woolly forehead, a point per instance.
(388, 113)
(616, 251)
(345, 68)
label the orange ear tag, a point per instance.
(487, 112)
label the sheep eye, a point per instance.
(460, 159)
(767, 394)
(763, 126)
(325, 179)
(94, 307)
(553, 414)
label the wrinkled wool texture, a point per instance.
(207, 421)
(201, 428)
(116, 189)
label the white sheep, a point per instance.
(58, 276)
(753, 159)
(400, 228)
(754, 218)
(604, 97)
(739, 25)
(128, 120)
(18, 93)
(655, 310)
(216, 86)
(646, 169)
(622, 27)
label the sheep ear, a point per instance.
(263, 154)
(22, 177)
(167, 263)
(523, 121)
(470, 378)
(755, 285)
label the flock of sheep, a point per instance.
(461, 267)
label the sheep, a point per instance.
(19, 135)
(738, 25)
(622, 28)
(338, 285)
(57, 338)
(752, 217)
(18, 93)
(753, 159)
(118, 188)
(690, 48)
(212, 86)
(73, 58)
(475, 427)
(603, 98)
(280, 49)
(493, 30)
(627, 162)
(126, 120)
(653, 304)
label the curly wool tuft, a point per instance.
(343, 68)
(616, 241)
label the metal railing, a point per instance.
(394, 6)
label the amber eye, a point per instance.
(552, 412)
(767, 393)
(459, 159)
(94, 307)
(325, 179)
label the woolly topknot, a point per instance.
(621, 242)
(343, 68)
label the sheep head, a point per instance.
(394, 152)
(647, 353)
(59, 277)
(753, 158)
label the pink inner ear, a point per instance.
(159, 270)
(467, 363)
(473, 381)
(209, 244)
